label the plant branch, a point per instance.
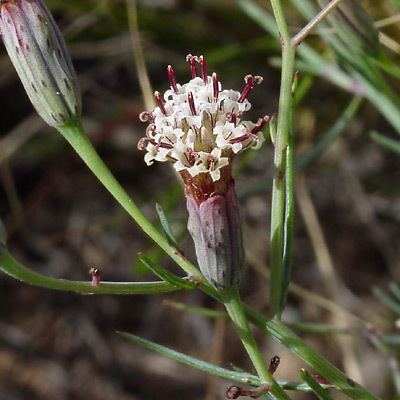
(296, 41)
(278, 207)
(235, 309)
(78, 139)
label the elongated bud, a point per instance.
(215, 227)
(38, 52)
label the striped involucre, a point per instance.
(215, 228)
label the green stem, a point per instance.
(10, 266)
(278, 209)
(78, 139)
(236, 312)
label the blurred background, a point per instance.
(61, 222)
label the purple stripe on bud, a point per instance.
(38, 52)
(215, 228)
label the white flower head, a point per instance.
(197, 126)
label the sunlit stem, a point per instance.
(234, 307)
(77, 138)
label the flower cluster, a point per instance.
(197, 126)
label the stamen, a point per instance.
(203, 67)
(211, 163)
(163, 145)
(239, 139)
(191, 103)
(160, 102)
(142, 143)
(146, 116)
(260, 124)
(172, 79)
(191, 156)
(233, 116)
(250, 82)
(192, 64)
(215, 86)
(150, 129)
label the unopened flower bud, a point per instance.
(38, 52)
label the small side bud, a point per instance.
(95, 274)
(38, 52)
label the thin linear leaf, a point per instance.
(318, 149)
(242, 377)
(291, 341)
(390, 144)
(387, 300)
(193, 362)
(288, 227)
(166, 226)
(10, 266)
(391, 340)
(319, 328)
(394, 288)
(203, 311)
(387, 104)
(166, 275)
(318, 390)
(333, 133)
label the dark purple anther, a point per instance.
(250, 82)
(172, 79)
(203, 67)
(231, 117)
(192, 64)
(191, 103)
(163, 144)
(160, 102)
(215, 86)
(239, 139)
(260, 124)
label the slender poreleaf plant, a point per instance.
(199, 128)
